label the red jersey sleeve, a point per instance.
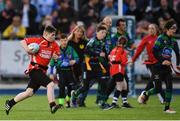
(56, 49)
(30, 40)
(139, 49)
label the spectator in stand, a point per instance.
(134, 11)
(2, 5)
(165, 11)
(178, 14)
(16, 30)
(44, 7)
(54, 15)
(90, 13)
(108, 9)
(161, 23)
(29, 13)
(47, 20)
(6, 15)
(149, 15)
(66, 16)
(142, 29)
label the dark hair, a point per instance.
(119, 20)
(99, 28)
(122, 40)
(169, 24)
(50, 29)
(102, 24)
(63, 36)
(178, 7)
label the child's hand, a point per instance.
(51, 76)
(29, 50)
(130, 62)
(102, 54)
(166, 62)
(72, 62)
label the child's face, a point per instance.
(101, 34)
(172, 30)
(49, 36)
(63, 42)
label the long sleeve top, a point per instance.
(165, 42)
(66, 55)
(148, 43)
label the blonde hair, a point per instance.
(81, 27)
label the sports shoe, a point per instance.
(55, 108)
(7, 107)
(142, 99)
(171, 111)
(82, 104)
(104, 105)
(126, 105)
(68, 104)
(109, 107)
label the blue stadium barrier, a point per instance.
(43, 91)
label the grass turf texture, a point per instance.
(37, 108)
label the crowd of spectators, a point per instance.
(34, 15)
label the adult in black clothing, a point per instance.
(29, 13)
(66, 15)
(89, 12)
(78, 41)
(6, 15)
(166, 11)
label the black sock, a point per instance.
(52, 104)
(116, 97)
(11, 102)
(124, 96)
(149, 86)
(117, 93)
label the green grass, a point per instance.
(37, 108)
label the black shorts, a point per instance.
(38, 78)
(66, 78)
(118, 77)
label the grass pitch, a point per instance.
(37, 108)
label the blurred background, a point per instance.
(30, 17)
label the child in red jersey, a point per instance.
(118, 61)
(37, 68)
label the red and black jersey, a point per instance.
(46, 50)
(118, 60)
(148, 43)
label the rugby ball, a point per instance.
(34, 47)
